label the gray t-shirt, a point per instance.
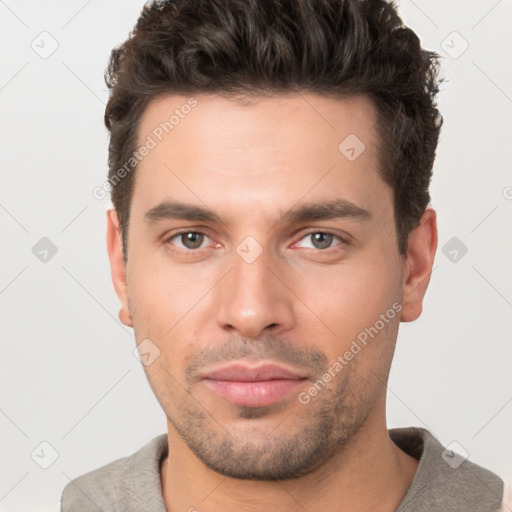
(443, 481)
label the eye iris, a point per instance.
(192, 240)
(321, 240)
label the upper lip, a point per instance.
(246, 373)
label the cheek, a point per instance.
(355, 289)
(150, 297)
(163, 310)
(160, 294)
(344, 300)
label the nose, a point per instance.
(253, 298)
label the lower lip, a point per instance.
(254, 394)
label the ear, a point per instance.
(421, 251)
(117, 265)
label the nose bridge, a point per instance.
(251, 274)
(252, 298)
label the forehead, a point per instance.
(261, 153)
(253, 123)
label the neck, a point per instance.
(370, 473)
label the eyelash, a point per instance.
(343, 241)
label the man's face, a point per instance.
(253, 306)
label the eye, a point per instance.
(321, 239)
(189, 240)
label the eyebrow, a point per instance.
(171, 209)
(337, 208)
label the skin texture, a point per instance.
(299, 303)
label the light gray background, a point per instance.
(69, 377)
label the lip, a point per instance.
(246, 373)
(253, 386)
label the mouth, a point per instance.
(253, 386)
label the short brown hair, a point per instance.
(270, 47)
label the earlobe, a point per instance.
(422, 248)
(117, 265)
(125, 317)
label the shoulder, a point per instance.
(445, 478)
(122, 481)
(506, 505)
(93, 490)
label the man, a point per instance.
(270, 165)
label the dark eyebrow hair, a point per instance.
(171, 209)
(337, 208)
